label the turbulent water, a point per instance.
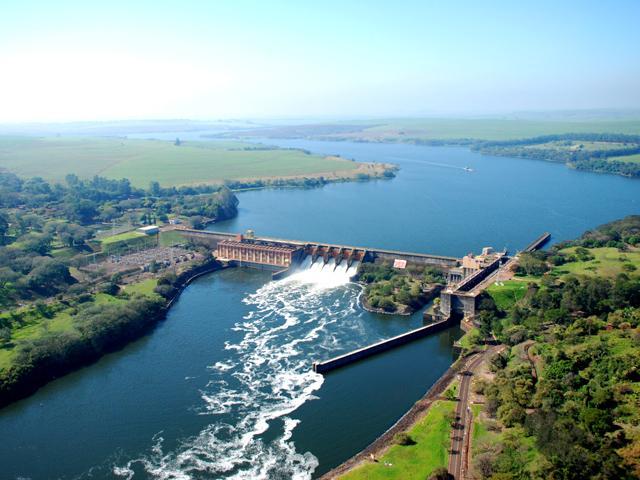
(265, 377)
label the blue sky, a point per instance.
(68, 60)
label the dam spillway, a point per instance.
(300, 249)
(332, 267)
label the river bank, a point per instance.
(49, 361)
(416, 413)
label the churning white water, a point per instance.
(263, 379)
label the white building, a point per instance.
(149, 229)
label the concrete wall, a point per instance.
(379, 256)
(538, 242)
(470, 282)
(383, 346)
(464, 305)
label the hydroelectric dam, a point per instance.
(466, 277)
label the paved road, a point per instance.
(462, 426)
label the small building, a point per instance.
(149, 230)
(175, 221)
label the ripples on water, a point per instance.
(261, 381)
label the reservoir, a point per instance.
(223, 387)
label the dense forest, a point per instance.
(566, 394)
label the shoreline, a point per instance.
(469, 143)
(33, 380)
(417, 411)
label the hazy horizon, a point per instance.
(83, 61)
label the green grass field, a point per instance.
(36, 326)
(481, 434)
(488, 129)
(607, 262)
(142, 161)
(121, 236)
(145, 287)
(627, 158)
(470, 339)
(413, 462)
(507, 292)
(170, 238)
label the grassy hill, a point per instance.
(142, 161)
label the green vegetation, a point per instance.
(627, 158)
(38, 246)
(603, 152)
(427, 450)
(144, 287)
(601, 262)
(143, 161)
(57, 314)
(28, 324)
(564, 400)
(393, 290)
(508, 292)
(471, 340)
(619, 234)
(171, 238)
(122, 237)
(96, 328)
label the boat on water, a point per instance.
(468, 169)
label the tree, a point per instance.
(81, 210)
(441, 473)
(5, 335)
(154, 189)
(4, 228)
(197, 222)
(404, 439)
(49, 275)
(36, 242)
(530, 264)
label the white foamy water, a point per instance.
(263, 378)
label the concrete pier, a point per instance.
(379, 347)
(538, 243)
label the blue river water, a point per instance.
(434, 205)
(223, 389)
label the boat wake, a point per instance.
(263, 378)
